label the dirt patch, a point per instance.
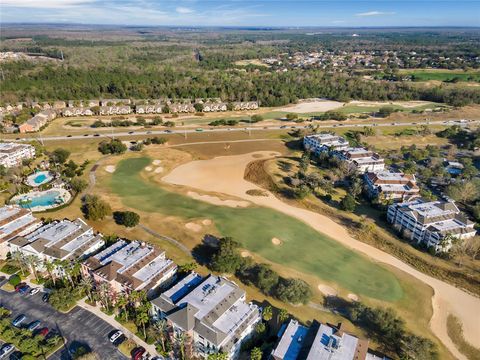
(193, 227)
(245, 254)
(314, 105)
(327, 290)
(110, 169)
(276, 241)
(406, 104)
(215, 200)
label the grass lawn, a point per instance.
(319, 255)
(443, 75)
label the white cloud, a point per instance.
(184, 10)
(375, 13)
(44, 4)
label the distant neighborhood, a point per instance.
(46, 111)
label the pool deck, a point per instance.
(31, 178)
(64, 194)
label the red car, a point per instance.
(19, 286)
(138, 353)
(43, 331)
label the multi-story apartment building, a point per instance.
(362, 159)
(15, 221)
(211, 311)
(318, 342)
(391, 185)
(58, 240)
(127, 266)
(324, 142)
(12, 154)
(431, 222)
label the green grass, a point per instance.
(303, 248)
(444, 75)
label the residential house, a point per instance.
(63, 240)
(115, 110)
(318, 143)
(181, 108)
(214, 106)
(15, 221)
(76, 111)
(38, 121)
(92, 103)
(59, 105)
(429, 222)
(111, 102)
(12, 154)
(149, 109)
(211, 311)
(318, 342)
(127, 266)
(362, 159)
(245, 105)
(391, 185)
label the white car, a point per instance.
(5, 350)
(114, 337)
(34, 291)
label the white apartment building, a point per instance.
(364, 160)
(128, 266)
(212, 311)
(324, 142)
(59, 240)
(390, 185)
(12, 154)
(429, 222)
(318, 342)
(15, 221)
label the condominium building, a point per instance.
(12, 154)
(211, 311)
(391, 185)
(362, 159)
(324, 142)
(318, 342)
(128, 266)
(59, 240)
(15, 221)
(430, 222)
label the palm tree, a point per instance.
(50, 267)
(256, 354)
(103, 292)
(86, 285)
(282, 316)
(19, 258)
(267, 313)
(182, 339)
(33, 262)
(142, 319)
(161, 328)
(122, 302)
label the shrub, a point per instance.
(294, 291)
(115, 146)
(348, 203)
(95, 208)
(126, 218)
(14, 280)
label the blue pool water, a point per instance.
(45, 199)
(40, 179)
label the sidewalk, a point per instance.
(111, 320)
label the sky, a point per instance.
(259, 13)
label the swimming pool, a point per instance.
(48, 198)
(39, 178)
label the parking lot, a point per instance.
(78, 327)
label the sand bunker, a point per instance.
(214, 200)
(276, 241)
(148, 168)
(313, 106)
(156, 162)
(158, 170)
(245, 254)
(110, 169)
(406, 104)
(352, 297)
(193, 227)
(327, 290)
(207, 222)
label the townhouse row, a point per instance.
(211, 310)
(435, 224)
(12, 154)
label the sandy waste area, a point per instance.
(215, 200)
(317, 105)
(225, 175)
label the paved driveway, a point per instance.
(79, 326)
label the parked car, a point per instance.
(18, 320)
(114, 337)
(43, 331)
(24, 290)
(137, 353)
(18, 286)
(5, 350)
(2, 278)
(34, 291)
(34, 325)
(45, 297)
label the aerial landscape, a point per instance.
(239, 180)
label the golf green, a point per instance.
(303, 248)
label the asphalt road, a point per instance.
(79, 326)
(235, 129)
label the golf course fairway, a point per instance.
(254, 227)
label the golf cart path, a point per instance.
(225, 174)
